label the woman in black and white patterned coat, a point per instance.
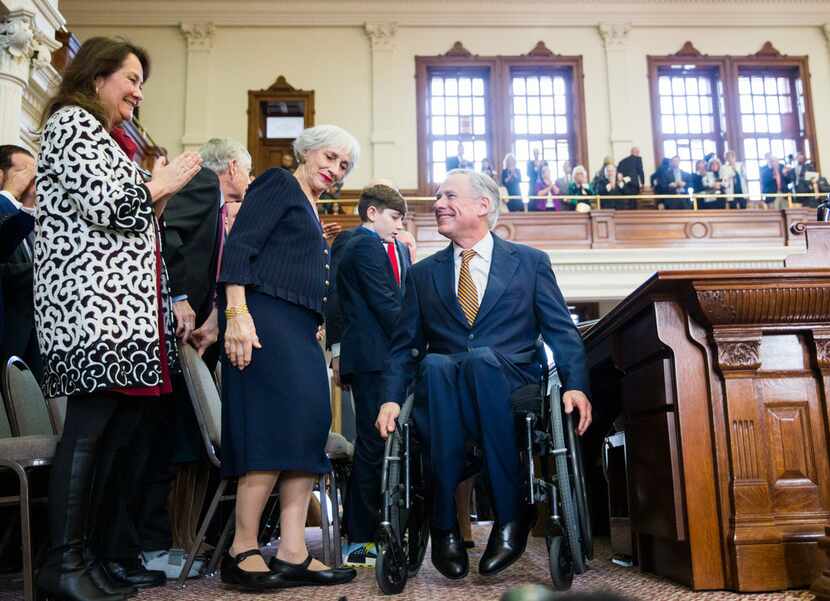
(103, 316)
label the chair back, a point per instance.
(57, 413)
(207, 404)
(25, 406)
(5, 428)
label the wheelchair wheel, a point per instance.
(390, 574)
(566, 494)
(580, 491)
(560, 563)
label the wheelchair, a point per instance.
(555, 481)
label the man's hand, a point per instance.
(185, 320)
(330, 230)
(208, 333)
(387, 415)
(335, 369)
(19, 180)
(576, 398)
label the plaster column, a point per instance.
(17, 47)
(826, 29)
(615, 39)
(199, 38)
(385, 152)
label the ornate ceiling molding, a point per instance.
(439, 13)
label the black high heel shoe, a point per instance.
(232, 574)
(299, 574)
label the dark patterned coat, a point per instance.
(96, 308)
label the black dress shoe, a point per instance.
(299, 575)
(232, 574)
(505, 545)
(133, 573)
(107, 583)
(449, 556)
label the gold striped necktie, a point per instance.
(467, 293)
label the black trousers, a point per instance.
(362, 504)
(111, 421)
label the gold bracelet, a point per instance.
(232, 312)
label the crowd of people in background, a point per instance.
(714, 183)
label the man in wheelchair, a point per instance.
(470, 322)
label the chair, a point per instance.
(207, 406)
(31, 445)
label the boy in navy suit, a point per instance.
(371, 270)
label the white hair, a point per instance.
(482, 185)
(217, 153)
(579, 169)
(327, 136)
(607, 167)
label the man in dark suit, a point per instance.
(775, 180)
(631, 168)
(803, 175)
(193, 235)
(369, 278)
(458, 161)
(17, 179)
(469, 326)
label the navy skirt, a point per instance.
(276, 413)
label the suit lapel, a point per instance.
(502, 268)
(443, 277)
(403, 263)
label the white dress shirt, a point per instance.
(479, 264)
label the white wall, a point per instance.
(336, 62)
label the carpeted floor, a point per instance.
(429, 584)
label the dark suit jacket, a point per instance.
(191, 224)
(16, 273)
(370, 301)
(522, 301)
(334, 316)
(632, 166)
(768, 185)
(800, 184)
(14, 227)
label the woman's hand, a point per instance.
(240, 340)
(171, 176)
(330, 230)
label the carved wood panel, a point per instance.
(788, 430)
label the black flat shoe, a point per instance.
(232, 574)
(300, 575)
(449, 556)
(133, 574)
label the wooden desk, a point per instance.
(723, 380)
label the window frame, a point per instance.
(729, 68)
(498, 102)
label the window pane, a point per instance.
(559, 86)
(677, 86)
(772, 104)
(522, 153)
(548, 126)
(691, 85)
(561, 125)
(707, 125)
(465, 87)
(438, 126)
(777, 148)
(666, 105)
(709, 146)
(533, 86)
(750, 149)
(704, 86)
(761, 123)
(679, 105)
(478, 87)
(746, 103)
(518, 86)
(437, 86)
(706, 105)
(533, 105)
(667, 124)
(669, 148)
(439, 171)
(769, 85)
(479, 127)
(758, 104)
(682, 124)
(534, 124)
(694, 124)
(562, 151)
(546, 86)
(693, 105)
(437, 106)
(452, 126)
(478, 106)
(757, 85)
(785, 104)
(547, 105)
(763, 146)
(559, 104)
(465, 106)
(743, 85)
(774, 123)
(520, 125)
(438, 153)
(697, 149)
(664, 86)
(451, 106)
(747, 124)
(789, 148)
(519, 105)
(480, 150)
